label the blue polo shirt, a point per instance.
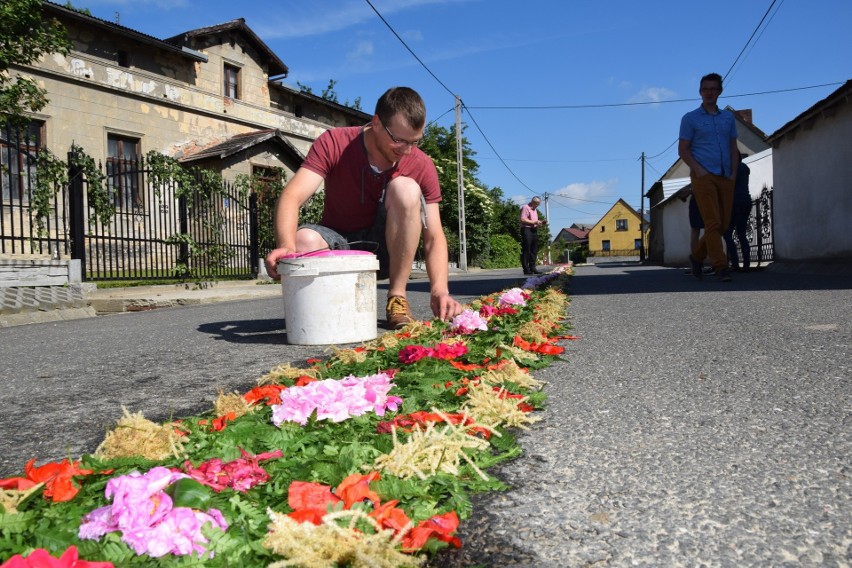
(710, 135)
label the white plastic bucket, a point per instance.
(330, 297)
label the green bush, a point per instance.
(505, 252)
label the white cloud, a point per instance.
(322, 17)
(652, 95)
(591, 191)
(362, 50)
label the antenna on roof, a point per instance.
(117, 17)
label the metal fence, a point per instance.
(21, 232)
(160, 230)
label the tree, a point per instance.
(492, 223)
(24, 37)
(440, 144)
(330, 94)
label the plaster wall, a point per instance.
(813, 188)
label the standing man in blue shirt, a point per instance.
(708, 145)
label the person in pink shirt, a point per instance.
(379, 187)
(529, 235)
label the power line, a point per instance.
(749, 39)
(579, 199)
(668, 101)
(451, 94)
(663, 152)
(490, 145)
(393, 31)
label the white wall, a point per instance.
(761, 172)
(813, 189)
(676, 233)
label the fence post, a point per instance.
(254, 244)
(76, 210)
(183, 254)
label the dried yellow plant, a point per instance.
(518, 354)
(552, 305)
(286, 371)
(134, 435)
(510, 372)
(533, 331)
(348, 356)
(11, 499)
(432, 450)
(231, 402)
(414, 329)
(307, 545)
(485, 406)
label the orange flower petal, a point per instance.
(308, 516)
(310, 495)
(355, 488)
(390, 517)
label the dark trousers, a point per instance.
(529, 248)
(739, 224)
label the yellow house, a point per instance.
(617, 233)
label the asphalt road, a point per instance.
(693, 424)
(65, 382)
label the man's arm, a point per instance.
(286, 220)
(684, 150)
(435, 248)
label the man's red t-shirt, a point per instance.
(352, 188)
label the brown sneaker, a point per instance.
(398, 313)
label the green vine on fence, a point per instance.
(97, 193)
(197, 186)
(267, 189)
(52, 174)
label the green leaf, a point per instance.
(188, 492)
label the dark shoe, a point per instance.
(527, 272)
(537, 271)
(697, 268)
(723, 276)
(398, 312)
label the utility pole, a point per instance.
(460, 173)
(642, 214)
(547, 227)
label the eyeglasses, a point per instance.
(400, 142)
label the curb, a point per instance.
(65, 314)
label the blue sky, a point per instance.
(510, 60)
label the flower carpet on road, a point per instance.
(366, 458)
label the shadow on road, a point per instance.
(633, 278)
(270, 331)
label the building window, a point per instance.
(603, 228)
(621, 224)
(123, 171)
(232, 81)
(637, 244)
(18, 151)
(605, 246)
(122, 58)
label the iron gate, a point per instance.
(759, 231)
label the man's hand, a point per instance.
(444, 306)
(271, 261)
